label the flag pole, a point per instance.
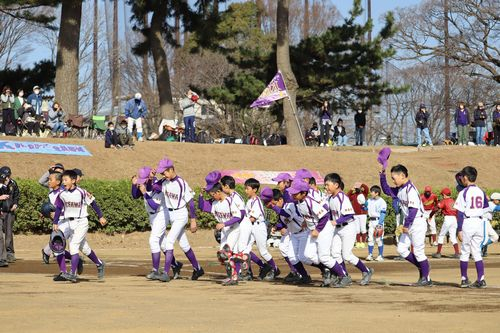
(294, 110)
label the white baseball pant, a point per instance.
(310, 252)
(285, 244)
(296, 249)
(431, 221)
(415, 237)
(229, 236)
(449, 226)
(178, 220)
(360, 224)
(372, 224)
(259, 232)
(491, 233)
(474, 234)
(343, 243)
(138, 124)
(158, 222)
(245, 240)
(324, 241)
(78, 229)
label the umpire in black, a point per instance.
(9, 201)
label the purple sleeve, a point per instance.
(156, 187)
(235, 219)
(154, 206)
(280, 211)
(96, 209)
(322, 222)
(280, 225)
(192, 210)
(345, 218)
(136, 194)
(411, 216)
(204, 205)
(392, 191)
(460, 220)
(59, 207)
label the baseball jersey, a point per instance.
(409, 198)
(430, 202)
(74, 203)
(294, 222)
(238, 200)
(376, 206)
(471, 201)
(225, 210)
(446, 206)
(353, 196)
(158, 198)
(312, 211)
(316, 194)
(255, 209)
(177, 193)
(53, 195)
(340, 205)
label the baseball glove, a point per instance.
(399, 230)
(47, 208)
(217, 235)
(378, 232)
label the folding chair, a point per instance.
(98, 127)
(76, 123)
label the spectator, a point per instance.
(28, 117)
(480, 117)
(136, 111)
(8, 210)
(325, 120)
(339, 133)
(18, 103)
(111, 138)
(360, 123)
(422, 119)
(35, 100)
(189, 115)
(462, 121)
(56, 120)
(8, 120)
(496, 125)
(125, 138)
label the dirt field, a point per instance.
(126, 302)
(436, 166)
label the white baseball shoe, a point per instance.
(379, 258)
(369, 258)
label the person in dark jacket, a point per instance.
(111, 138)
(462, 121)
(496, 125)
(422, 119)
(339, 133)
(480, 117)
(360, 123)
(8, 207)
(325, 120)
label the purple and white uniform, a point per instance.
(254, 231)
(228, 213)
(295, 241)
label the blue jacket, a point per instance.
(136, 109)
(36, 102)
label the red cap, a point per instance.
(427, 189)
(446, 191)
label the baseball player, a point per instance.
(306, 176)
(430, 201)
(228, 216)
(358, 196)
(344, 230)
(178, 197)
(284, 180)
(471, 226)
(71, 207)
(449, 225)
(492, 236)
(415, 226)
(377, 210)
(296, 234)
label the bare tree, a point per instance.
(13, 33)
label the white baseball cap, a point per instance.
(138, 96)
(495, 196)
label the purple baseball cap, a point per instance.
(383, 156)
(266, 194)
(298, 186)
(164, 164)
(212, 178)
(143, 175)
(282, 177)
(303, 173)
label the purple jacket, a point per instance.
(496, 118)
(462, 117)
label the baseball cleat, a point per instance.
(465, 283)
(229, 282)
(11, 258)
(344, 282)
(423, 282)
(291, 277)
(4, 263)
(100, 270)
(379, 258)
(264, 271)
(304, 280)
(277, 272)
(327, 278)
(399, 258)
(70, 277)
(367, 276)
(60, 277)
(369, 258)
(456, 256)
(45, 258)
(244, 277)
(197, 274)
(436, 255)
(79, 268)
(177, 270)
(270, 276)
(164, 277)
(478, 284)
(154, 275)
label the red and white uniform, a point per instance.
(430, 204)
(450, 220)
(360, 216)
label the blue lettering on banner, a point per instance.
(42, 148)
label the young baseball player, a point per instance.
(178, 197)
(344, 230)
(290, 220)
(283, 181)
(71, 207)
(415, 226)
(449, 225)
(470, 205)
(430, 201)
(377, 210)
(493, 206)
(228, 216)
(358, 196)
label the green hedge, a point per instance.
(123, 213)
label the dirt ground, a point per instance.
(126, 302)
(428, 166)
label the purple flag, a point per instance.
(274, 91)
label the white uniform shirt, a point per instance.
(340, 205)
(75, 202)
(375, 206)
(410, 198)
(54, 194)
(316, 195)
(238, 200)
(225, 210)
(294, 222)
(158, 198)
(177, 193)
(471, 201)
(312, 211)
(255, 209)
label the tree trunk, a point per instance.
(145, 63)
(293, 131)
(160, 61)
(95, 59)
(447, 115)
(67, 60)
(260, 12)
(115, 79)
(305, 32)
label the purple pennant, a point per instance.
(275, 90)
